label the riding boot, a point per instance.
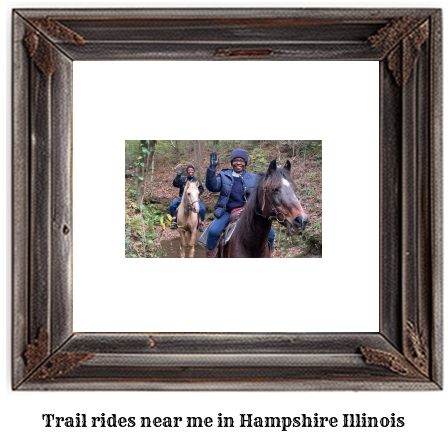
(173, 223)
(209, 253)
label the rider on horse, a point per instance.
(181, 181)
(234, 186)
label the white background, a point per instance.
(425, 413)
(227, 100)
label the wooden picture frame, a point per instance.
(406, 353)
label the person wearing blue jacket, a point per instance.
(234, 186)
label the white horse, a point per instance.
(187, 217)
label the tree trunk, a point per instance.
(146, 151)
(139, 176)
(150, 161)
(152, 171)
(198, 158)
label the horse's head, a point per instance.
(191, 196)
(279, 200)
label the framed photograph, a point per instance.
(228, 325)
(173, 195)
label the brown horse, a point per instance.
(273, 198)
(187, 217)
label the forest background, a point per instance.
(151, 166)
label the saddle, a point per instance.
(225, 236)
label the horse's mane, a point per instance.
(253, 204)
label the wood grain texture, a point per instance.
(406, 354)
(40, 200)
(391, 236)
(436, 195)
(20, 204)
(61, 200)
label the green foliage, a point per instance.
(153, 216)
(131, 152)
(310, 148)
(309, 242)
(135, 155)
(141, 239)
(259, 160)
(173, 153)
(137, 225)
(178, 152)
(312, 236)
(132, 195)
(128, 245)
(167, 153)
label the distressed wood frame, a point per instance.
(406, 353)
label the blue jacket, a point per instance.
(223, 183)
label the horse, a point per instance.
(273, 198)
(187, 217)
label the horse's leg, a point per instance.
(187, 239)
(192, 241)
(227, 252)
(234, 250)
(182, 243)
(268, 251)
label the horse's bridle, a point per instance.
(271, 218)
(190, 206)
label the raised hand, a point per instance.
(180, 172)
(214, 160)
